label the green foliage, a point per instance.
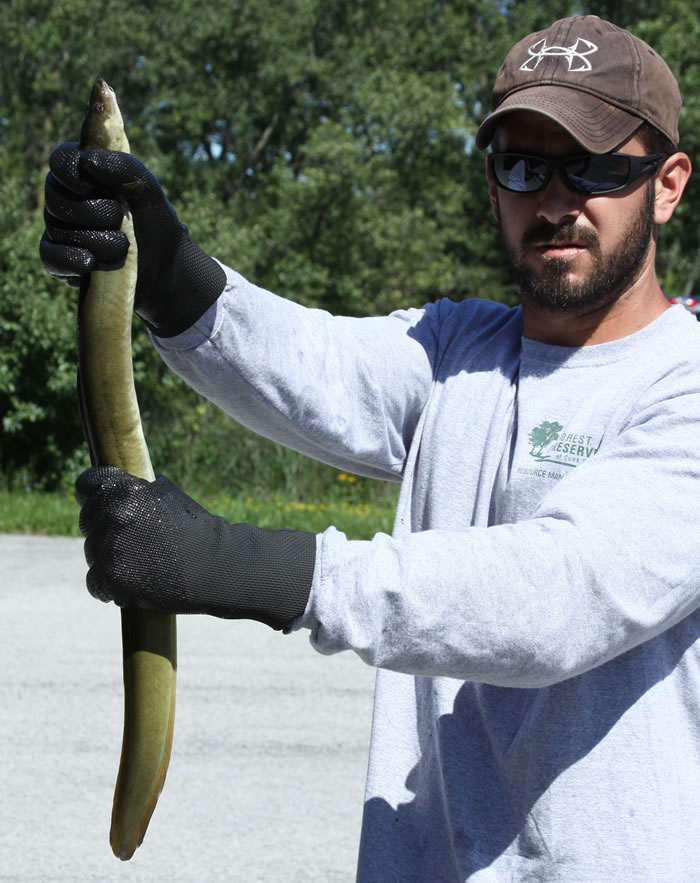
(40, 426)
(53, 514)
(33, 512)
(324, 149)
(673, 28)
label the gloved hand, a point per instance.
(85, 191)
(149, 545)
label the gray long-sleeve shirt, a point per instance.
(534, 618)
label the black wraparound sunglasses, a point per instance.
(585, 172)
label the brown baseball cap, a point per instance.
(597, 80)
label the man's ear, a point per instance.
(671, 179)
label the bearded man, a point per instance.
(533, 621)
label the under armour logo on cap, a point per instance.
(575, 54)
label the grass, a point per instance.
(38, 513)
(34, 512)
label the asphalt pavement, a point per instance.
(269, 755)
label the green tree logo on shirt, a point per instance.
(542, 435)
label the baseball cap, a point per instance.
(595, 79)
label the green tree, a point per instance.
(323, 149)
(542, 435)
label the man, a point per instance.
(534, 617)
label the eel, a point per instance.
(112, 427)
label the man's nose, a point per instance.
(559, 202)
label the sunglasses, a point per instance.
(585, 173)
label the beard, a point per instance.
(611, 276)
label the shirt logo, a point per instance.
(575, 54)
(551, 443)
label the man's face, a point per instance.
(571, 253)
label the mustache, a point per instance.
(546, 232)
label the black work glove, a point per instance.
(149, 545)
(85, 192)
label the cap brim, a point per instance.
(598, 127)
